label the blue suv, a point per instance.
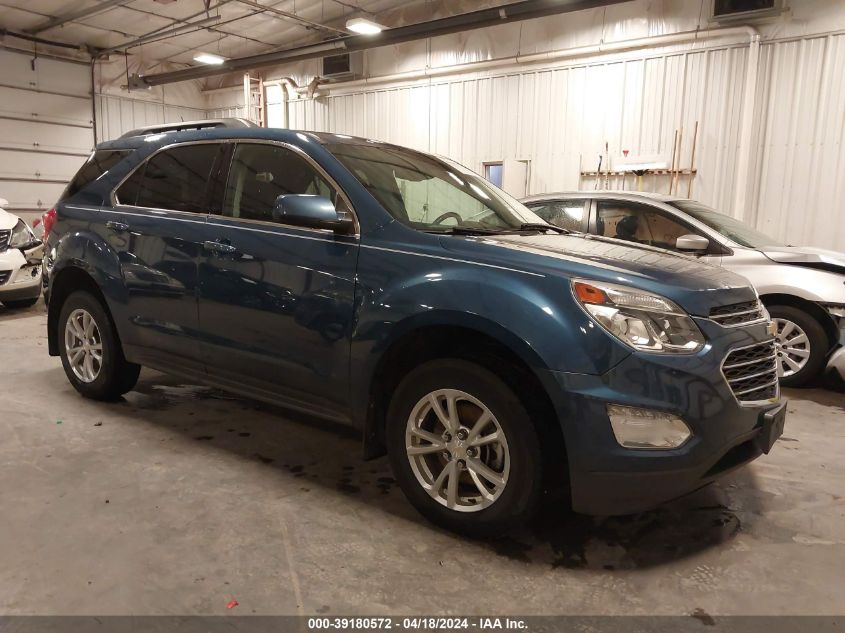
(492, 356)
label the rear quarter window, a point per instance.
(97, 166)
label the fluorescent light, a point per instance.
(208, 58)
(364, 26)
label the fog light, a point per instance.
(644, 428)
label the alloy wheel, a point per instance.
(457, 450)
(793, 348)
(83, 345)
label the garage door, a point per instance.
(45, 108)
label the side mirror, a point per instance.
(692, 243)
(313, 212)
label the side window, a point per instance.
(97, 166)
(638, 223)
(260, 173)
(568, 214)
(175, 179)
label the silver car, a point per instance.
(802, 287)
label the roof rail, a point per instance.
(189, 125)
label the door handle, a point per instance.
(117, 227)
(219, 247)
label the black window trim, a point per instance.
(115, 201)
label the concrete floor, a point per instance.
(182, 498)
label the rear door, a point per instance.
(276, 301)
(159, 222)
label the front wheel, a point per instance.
(463, 448)
(802, 345)
(90, 349)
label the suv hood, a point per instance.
(807, 256)
(691, 283)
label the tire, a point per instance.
(517, 461)
(799, 332)
(21, 303)
(111, 376)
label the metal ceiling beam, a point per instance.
(292, 17)
(161, 34)
(75, 15)
(525, 10)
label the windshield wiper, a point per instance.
(536, 226)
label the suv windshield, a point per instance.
(432, 194)
(731, 228)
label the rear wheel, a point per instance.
(463, 448)
(90, 350)
(22, 303)
(802, 345)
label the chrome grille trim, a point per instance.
(738, 314)
(751, 373)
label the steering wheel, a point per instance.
(446, 216)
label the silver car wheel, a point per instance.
(792, 346)
(83, 345)
(457, 450)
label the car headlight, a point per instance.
(643, 320)
(21, 236)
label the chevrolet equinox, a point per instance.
(491, 355)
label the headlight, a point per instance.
(645, 321)
(21, 236)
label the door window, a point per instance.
(174, 179)
(568, 214)
(639, 223)
(260, 173)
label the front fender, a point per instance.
(810, 284)
(535, 316)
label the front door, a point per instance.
(157, 227)
(276, 301)
(644, 224)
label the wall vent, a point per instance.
(345, 66)
(732, 10)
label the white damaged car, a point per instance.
(803, 288)
(20, 261)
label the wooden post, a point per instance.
(692, 161)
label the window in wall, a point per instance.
(261, 173)
(175, 179)
(726, 8)
(493, 172)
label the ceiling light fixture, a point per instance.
(364, 26)
(208, 58)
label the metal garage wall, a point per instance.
(799, 192)
(117, 114)
(559, 119)
(45, 113)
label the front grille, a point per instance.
(738, 313)
(4, 239)
(4, 276)
(752, 372)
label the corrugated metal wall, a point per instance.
(116, 114)
(559, 119)
(799, 166)
(45, 109)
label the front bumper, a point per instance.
(607, 479)
(21, 283)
